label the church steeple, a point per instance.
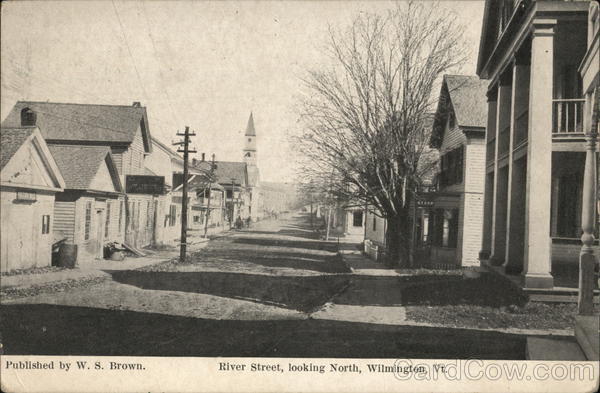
(250, 143)
(250, 127)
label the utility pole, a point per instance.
(184, 202)
(232, 202)
(212, 170)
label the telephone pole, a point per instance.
(184, 202)
(232, 202)
(212, 171)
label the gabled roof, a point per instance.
(226, 171)
(11, 139)
(110, 124)
(167, 150)
(250, 131)
(465, 96)
(79, 164)
(200, 182)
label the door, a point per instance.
(99, 249)
(21, 237)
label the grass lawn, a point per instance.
(533, 315)
(489, 301)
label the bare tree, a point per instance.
(367, 116)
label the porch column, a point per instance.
(501, 174)
(516, 176)
(538, 246)
(587, 260)
(488, 195)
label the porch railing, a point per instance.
(567, 116)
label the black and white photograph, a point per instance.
(299, 196)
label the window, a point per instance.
(137, 218)
(88, 220)
(107, 224)
(452, 167)
(120, 217)
(357, 218)
(130, 215)
(148, 215)
(444, 228)
(172, 215)
(451, 120)
(45, 224)
(374, 223)
(229, 194)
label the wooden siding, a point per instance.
(23, 245)
(376, 235)
(472, 202)
(64, 219)
(140, 216)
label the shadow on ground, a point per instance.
(305, 244)
(291, 260)
(61, 330)
(372, 291)
(303, 293)
(487, 290)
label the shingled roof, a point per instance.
(465, 96)
(84, 122)
(79, 164)
(11, 139)
(226, 171)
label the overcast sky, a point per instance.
(201, 64)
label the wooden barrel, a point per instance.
(67, 255)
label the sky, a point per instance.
(205, 65)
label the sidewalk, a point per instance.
(94, 270)
(365, 266)
(374, 295)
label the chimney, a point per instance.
(203, 156)
(136, 104)
(194, 161)
(28, 117)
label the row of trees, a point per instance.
(366, 116)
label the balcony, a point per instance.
(567, 117)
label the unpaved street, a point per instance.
(271, 290)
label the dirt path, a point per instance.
(264, 291)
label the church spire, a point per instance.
(250, 127)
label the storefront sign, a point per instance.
(139, 184)
(424, 203)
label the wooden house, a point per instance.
(90, 212)
(125, 131)
(30, 179)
